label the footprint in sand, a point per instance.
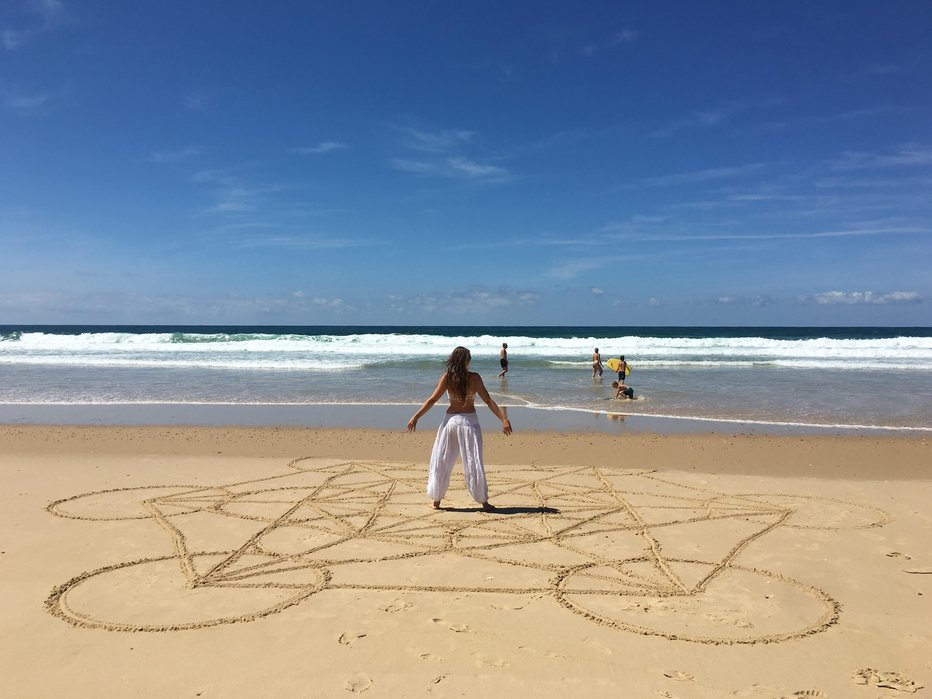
(431, 657)
(506, 606)
(358, 683)
(456, 628)
(679, 676)
(897, 554)
(887, 680)
(598, 646)
(758, 690)
(548, 653)
(806, 693)
(491, 662)
(349, 638)
(397, 605)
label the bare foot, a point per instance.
(488, 506)
(436, 504)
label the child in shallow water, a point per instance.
(622, 391)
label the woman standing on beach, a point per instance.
(459, 433)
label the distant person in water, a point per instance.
(459, 433)
(503, 360)
(622, 367)
(622, 391)
(596, 363)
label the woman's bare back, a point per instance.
(467, 403)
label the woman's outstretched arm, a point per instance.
(429, 403)
(493, 406)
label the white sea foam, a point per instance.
(334, 352)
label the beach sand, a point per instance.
(261, 562)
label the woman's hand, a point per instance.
(412, 424)
(506, 426)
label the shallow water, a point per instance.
(802, 378)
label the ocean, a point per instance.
(832, 377)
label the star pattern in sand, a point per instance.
(629, 549)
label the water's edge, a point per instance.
(395, 416)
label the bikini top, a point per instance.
(470, 395)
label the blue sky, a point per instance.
(600, 163)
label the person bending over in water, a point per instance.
(459, 433)
(622, 391)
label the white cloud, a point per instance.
(173, 156)
(712, 116)
(332, 304)
(49, 13)
(438, 141)
(417, 166)
(759, 301)
(841, 233)
(653, 303)
(573, 268)
(625, 36)
(232, 207)
(454, 167)
(473, 169)
(862, 298)
(908, 155)
(715, 173)
(297, 242)
(596, 291)
(24, 104)
(473, 301)
(322, 147)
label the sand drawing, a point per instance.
(638, 551)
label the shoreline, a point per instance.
(390, 415)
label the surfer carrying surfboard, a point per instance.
(621, 366)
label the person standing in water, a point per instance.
(622, 369)
(503, 360)
(596, 363)
(459, 433)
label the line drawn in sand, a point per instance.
(633, 550)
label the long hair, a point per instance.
(458, 370)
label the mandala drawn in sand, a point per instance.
(633, 550)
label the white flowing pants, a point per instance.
(459, 435)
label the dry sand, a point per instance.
(232, 562)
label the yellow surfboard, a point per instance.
(613, 364)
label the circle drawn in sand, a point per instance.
(128, 503)
(125, 596)
(742, 598)
(631, 550)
